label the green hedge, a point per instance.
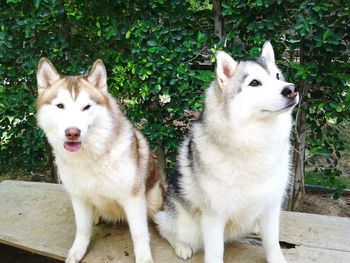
(151, 50)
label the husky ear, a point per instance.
(225, 68)
(98, 75)
(268, 53)
(46, 74)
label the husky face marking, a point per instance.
(74, 101)
(233, 168)
(104, 163)
(77, 113)
(258, 82)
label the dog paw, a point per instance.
(74, 256)
(144, 260)
(279, 260)
(276, 258)
(183, 251)
(72, 259)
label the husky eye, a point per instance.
(255, 83)
(60, 106)
(86, 107)
(277, 76)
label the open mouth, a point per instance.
(72, 146)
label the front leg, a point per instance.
(136, 213)
(213, 227)
(83, 221)
(269, 229)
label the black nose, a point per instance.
(289, 92)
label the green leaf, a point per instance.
(326, 34)
(151, 43)
(334, 104)
(37, 3)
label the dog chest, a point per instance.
(115, 180)
(243, 196)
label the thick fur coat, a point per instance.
(233, 168)
(103, 161)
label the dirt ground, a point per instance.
(324, 204)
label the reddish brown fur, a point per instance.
(136, 149)
(72, 84)
(45, 96)
(137, 155)
(153, 174)
(98, 96)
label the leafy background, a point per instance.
(152, 50)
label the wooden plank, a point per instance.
(319, 255)
(38, 217)
(114, 245)
(317, 231)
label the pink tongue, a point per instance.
(72, 146)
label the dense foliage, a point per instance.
(147, 46)
(151, 50)
(314, 40)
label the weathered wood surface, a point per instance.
(316, 231)
(38, 217)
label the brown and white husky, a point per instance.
(104, 163)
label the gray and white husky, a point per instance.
(233, 168)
